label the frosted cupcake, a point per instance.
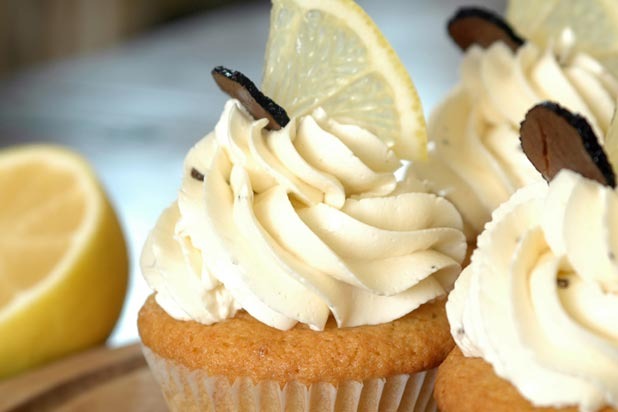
(475, 159)
(294, 272)
(535, 314)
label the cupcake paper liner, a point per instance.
(194, 390)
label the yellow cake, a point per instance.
(388, 361)
(489, 392)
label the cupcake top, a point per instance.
(298, 218)
(475, 159)
(539, 300)
(294, 224)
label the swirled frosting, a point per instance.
(475, 158)
(297, 224)
(539, 300)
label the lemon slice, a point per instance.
(330, 54)
(63, 260)
(594, 22)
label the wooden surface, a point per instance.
(101, 379)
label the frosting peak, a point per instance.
(296, 224)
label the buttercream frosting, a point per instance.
(475, 158)
(539, 300)
(297, 224)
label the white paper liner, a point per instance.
(190, 390)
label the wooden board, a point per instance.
(100, 379)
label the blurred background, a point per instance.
(127, 83)
(35, 31)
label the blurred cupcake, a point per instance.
(294, 272)
(475, 159)
(535, 314)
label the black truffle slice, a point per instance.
(196, 174)
(553, 138)
(472, 25)
(238, 86)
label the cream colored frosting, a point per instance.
(539, 300)
(475, 158)
(295, 224)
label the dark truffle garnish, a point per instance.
(240, 87)
(196, 174)
(553, 138)
(473, 25)
(562, 283)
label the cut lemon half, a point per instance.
(330, 54)
(63, 260)
(594, 22)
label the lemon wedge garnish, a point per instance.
(63, 260)
(594, 22)
(330, 54)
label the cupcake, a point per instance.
(475, 159)
(535, 314)
(294, 271)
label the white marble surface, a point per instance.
(135, 110)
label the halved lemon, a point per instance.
(63, 259)
(330, 54)
(594, 22)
